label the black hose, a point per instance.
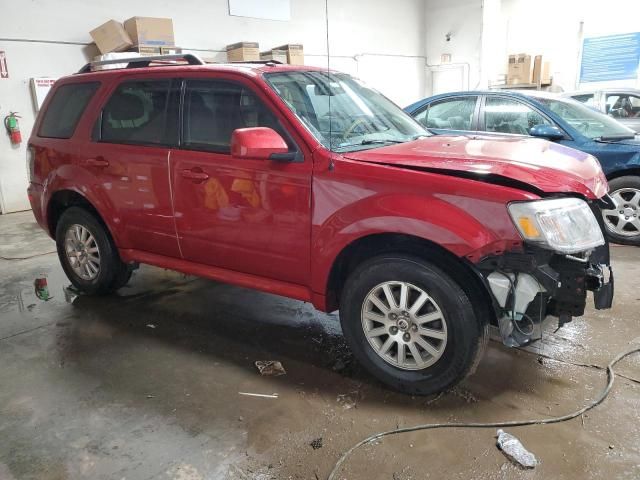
(514, 423)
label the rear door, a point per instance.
(129, 153)
(450, 116)
(250, 216)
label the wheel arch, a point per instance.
(62, 200)
(377, 244)
(629, 172)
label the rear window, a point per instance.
(65, 109)
(142, 113)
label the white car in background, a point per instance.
(623, 104)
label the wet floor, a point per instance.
(147, 384)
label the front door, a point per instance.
(250, 216)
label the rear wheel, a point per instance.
(411, 325)
(87, 253)
(623, 222)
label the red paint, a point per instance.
(279, 226)
(257, 143)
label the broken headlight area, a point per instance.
(527, 287)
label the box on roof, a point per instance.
(520, 69)
(295, 53)
(150, 31)
(243, 52)
(277, 55)
(111, 37)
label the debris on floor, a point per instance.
(348, 400)
(41, 289)
(270, 368)
(515, 451)
(70, 293)
(262, 395)
(316, 443)
(150, 325)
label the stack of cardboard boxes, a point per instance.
(250, 52)
(144, 35)
(523, 71)
(154, 36)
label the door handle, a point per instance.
(96, 162)
(195, 175)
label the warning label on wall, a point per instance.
(4, 70)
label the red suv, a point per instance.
(308, 184)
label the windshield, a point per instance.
(342, 113)
(588, 122)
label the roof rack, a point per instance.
(141, 62)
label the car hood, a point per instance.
(527, 163)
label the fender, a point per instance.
(79, 180)
(430, 207)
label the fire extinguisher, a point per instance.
(13, 127)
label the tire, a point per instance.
(626, 192)
(452, 358)
(110, 272)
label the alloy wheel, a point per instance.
(624, 220)
(404, 325)
(82, 252)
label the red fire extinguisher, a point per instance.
(13, 127)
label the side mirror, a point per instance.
(549, 132)
(258, 143)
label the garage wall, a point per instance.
(380, 41)
(553, 28)
(463, 20)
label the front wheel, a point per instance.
(411, 325)
(623, 222)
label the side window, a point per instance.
(453, 114)
(213, 109)
(623, 105)
(65, 109)
(504, 115)
(587, 99)
(140, 112)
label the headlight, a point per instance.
(565, 225)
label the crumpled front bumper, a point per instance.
(528, 286)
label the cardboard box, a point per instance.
(541, 71)
(520, 69)
(111, 37)
(243, 52)
(150, 31)
(147, 50)
(295, 53)
(277, 55)
(170, 50)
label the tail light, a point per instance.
(31, 157)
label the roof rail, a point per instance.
(141, 62)
(259, 62)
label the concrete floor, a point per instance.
(144, 385)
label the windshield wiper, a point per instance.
(378, 141)
(615, 138)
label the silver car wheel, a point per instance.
(82, 252)
(404, 325)
(624, 220)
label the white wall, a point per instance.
(553, 28)
(378, 40)
(463, 20)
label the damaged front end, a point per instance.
(547, 278)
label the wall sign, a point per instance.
(267, 9)
(614, 57)
(40, 88)
(4, 70)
